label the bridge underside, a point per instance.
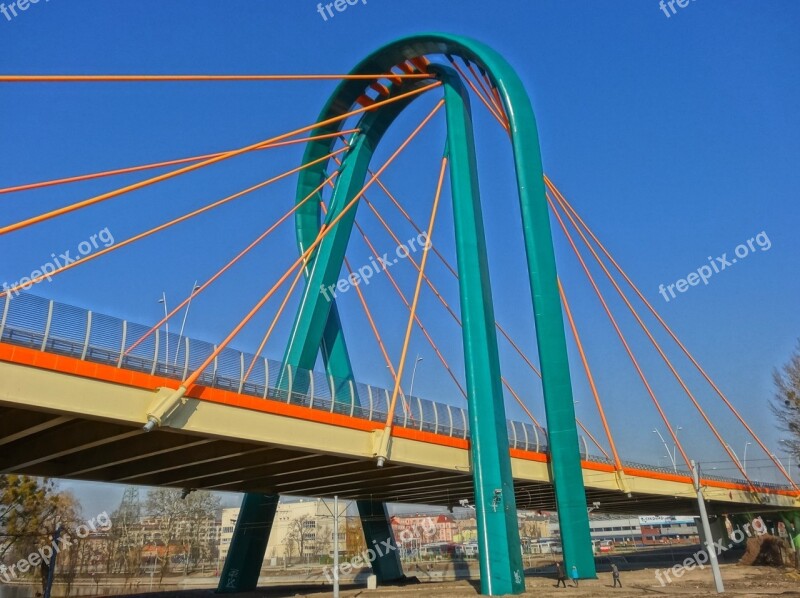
(49, 444)
(79, 427)
(54, 445)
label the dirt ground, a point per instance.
(739, 581)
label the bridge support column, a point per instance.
(792, 523)
(249, 543)
(499, 551)
(718, 530)
(380, 541)
(317, 326)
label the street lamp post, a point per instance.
(735, 456)
(744, 456)
(675, 446)
(670, 453)
(585, 448)
(166, 325)
(183, 324)
(336, 546)
(781, 466)
(413, 374)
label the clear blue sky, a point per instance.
(676, 138)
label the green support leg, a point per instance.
(791, 521)
(381, 541)
(317, 325)
(249, 543)
(499, 552)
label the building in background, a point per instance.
(302, 532)
(649, 530)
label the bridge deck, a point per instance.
(75, 410)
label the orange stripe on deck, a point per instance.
(106, 373)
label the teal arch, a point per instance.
(317, 327)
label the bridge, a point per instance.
(75, 405)
(80, 390)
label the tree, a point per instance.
(125, 537)
(166, 506)
(182, 520)
(786, 404)
(31, 510)
(25, 505)
(301, 534)
(199, 510)
(354, 541)
(324, 542)
(64, 517)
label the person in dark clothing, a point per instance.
(615, 575)
(560, 575)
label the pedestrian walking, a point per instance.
(560, 575)
(615, 575)
(574, 575)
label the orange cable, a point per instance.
(452, 270)
(227, 266)
(106, 173)
(495, 93)
(192, 167)
(456, 318)
(621, 335)
(480, 95)
(370, 319)
(165, 225)
(592, 438)
(489, 95)
(408, 306)
(664, 324)
(302, 259)
(589, 376)
(272, 325)
(378, 338)
(415, 300)
(396, 239)
(445, 303)
(417, 228)
(154, 78)
(658, 348)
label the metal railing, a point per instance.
(55, 327)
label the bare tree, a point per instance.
(62, 519)
(786, 403)
(26, 505)
(166, 506)
(301, 533)
(323, 546)
(199, 511)
(125, 538)
(354, 541)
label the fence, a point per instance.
(47, 325)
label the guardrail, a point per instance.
(55, 327)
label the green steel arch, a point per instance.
(317, 325)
